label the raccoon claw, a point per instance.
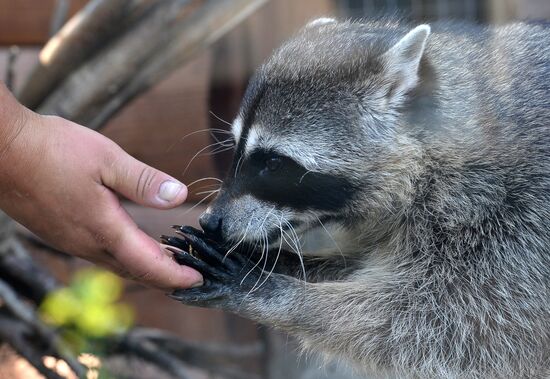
(214, 255)
(186, 259)
(204, 248)
(175, 241)
(223, 273)
(189, 230)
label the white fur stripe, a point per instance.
(237, 128)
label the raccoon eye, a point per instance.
(273, 163)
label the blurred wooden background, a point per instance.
(154, 127)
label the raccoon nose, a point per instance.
(211, 223)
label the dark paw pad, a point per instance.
(224, 273)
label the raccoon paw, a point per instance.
(225, 275)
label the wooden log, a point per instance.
(100, 77)
(143, 56)
(89, 29)
(212, 21)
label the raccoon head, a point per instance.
(318, 152)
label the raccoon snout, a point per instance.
(211, 223)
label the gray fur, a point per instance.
(450, 260)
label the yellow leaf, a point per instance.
(61, 307)
(97, 286)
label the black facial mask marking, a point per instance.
(282, 181)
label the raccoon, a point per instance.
(393, 185)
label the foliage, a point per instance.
(88, 308)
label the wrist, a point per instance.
(13, 119)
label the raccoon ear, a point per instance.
(320, 21)
(403, 59)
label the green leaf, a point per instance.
(61, 307)
(95, 286)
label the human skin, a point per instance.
(61, 180)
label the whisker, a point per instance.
(213, 135)
(263, 248)
(220, 150)
(333, 240)
(220, 119)
(197, 154)
(199, 203)
(253, 268)
(202, 179)
(206, 130)
(224, 143)
(238, 243)
(205, 192)
(298, 250)
(237, 165)
(293, 236)
(291, 242)
(277, 256)
(302, 265)
(302, 178)
(207, 187)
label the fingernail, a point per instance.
(198, 279)
(194, 278)
(198, 284)
(169, 190)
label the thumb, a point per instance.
(142, 183)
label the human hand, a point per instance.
(59, 179)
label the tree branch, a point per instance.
(78, 39)
(152, 353)
(182, 347)
(103, 75)
(37, 329)
(172, 33)
(220, 359)
(16, 333)
(21, 272)
(213, 20)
